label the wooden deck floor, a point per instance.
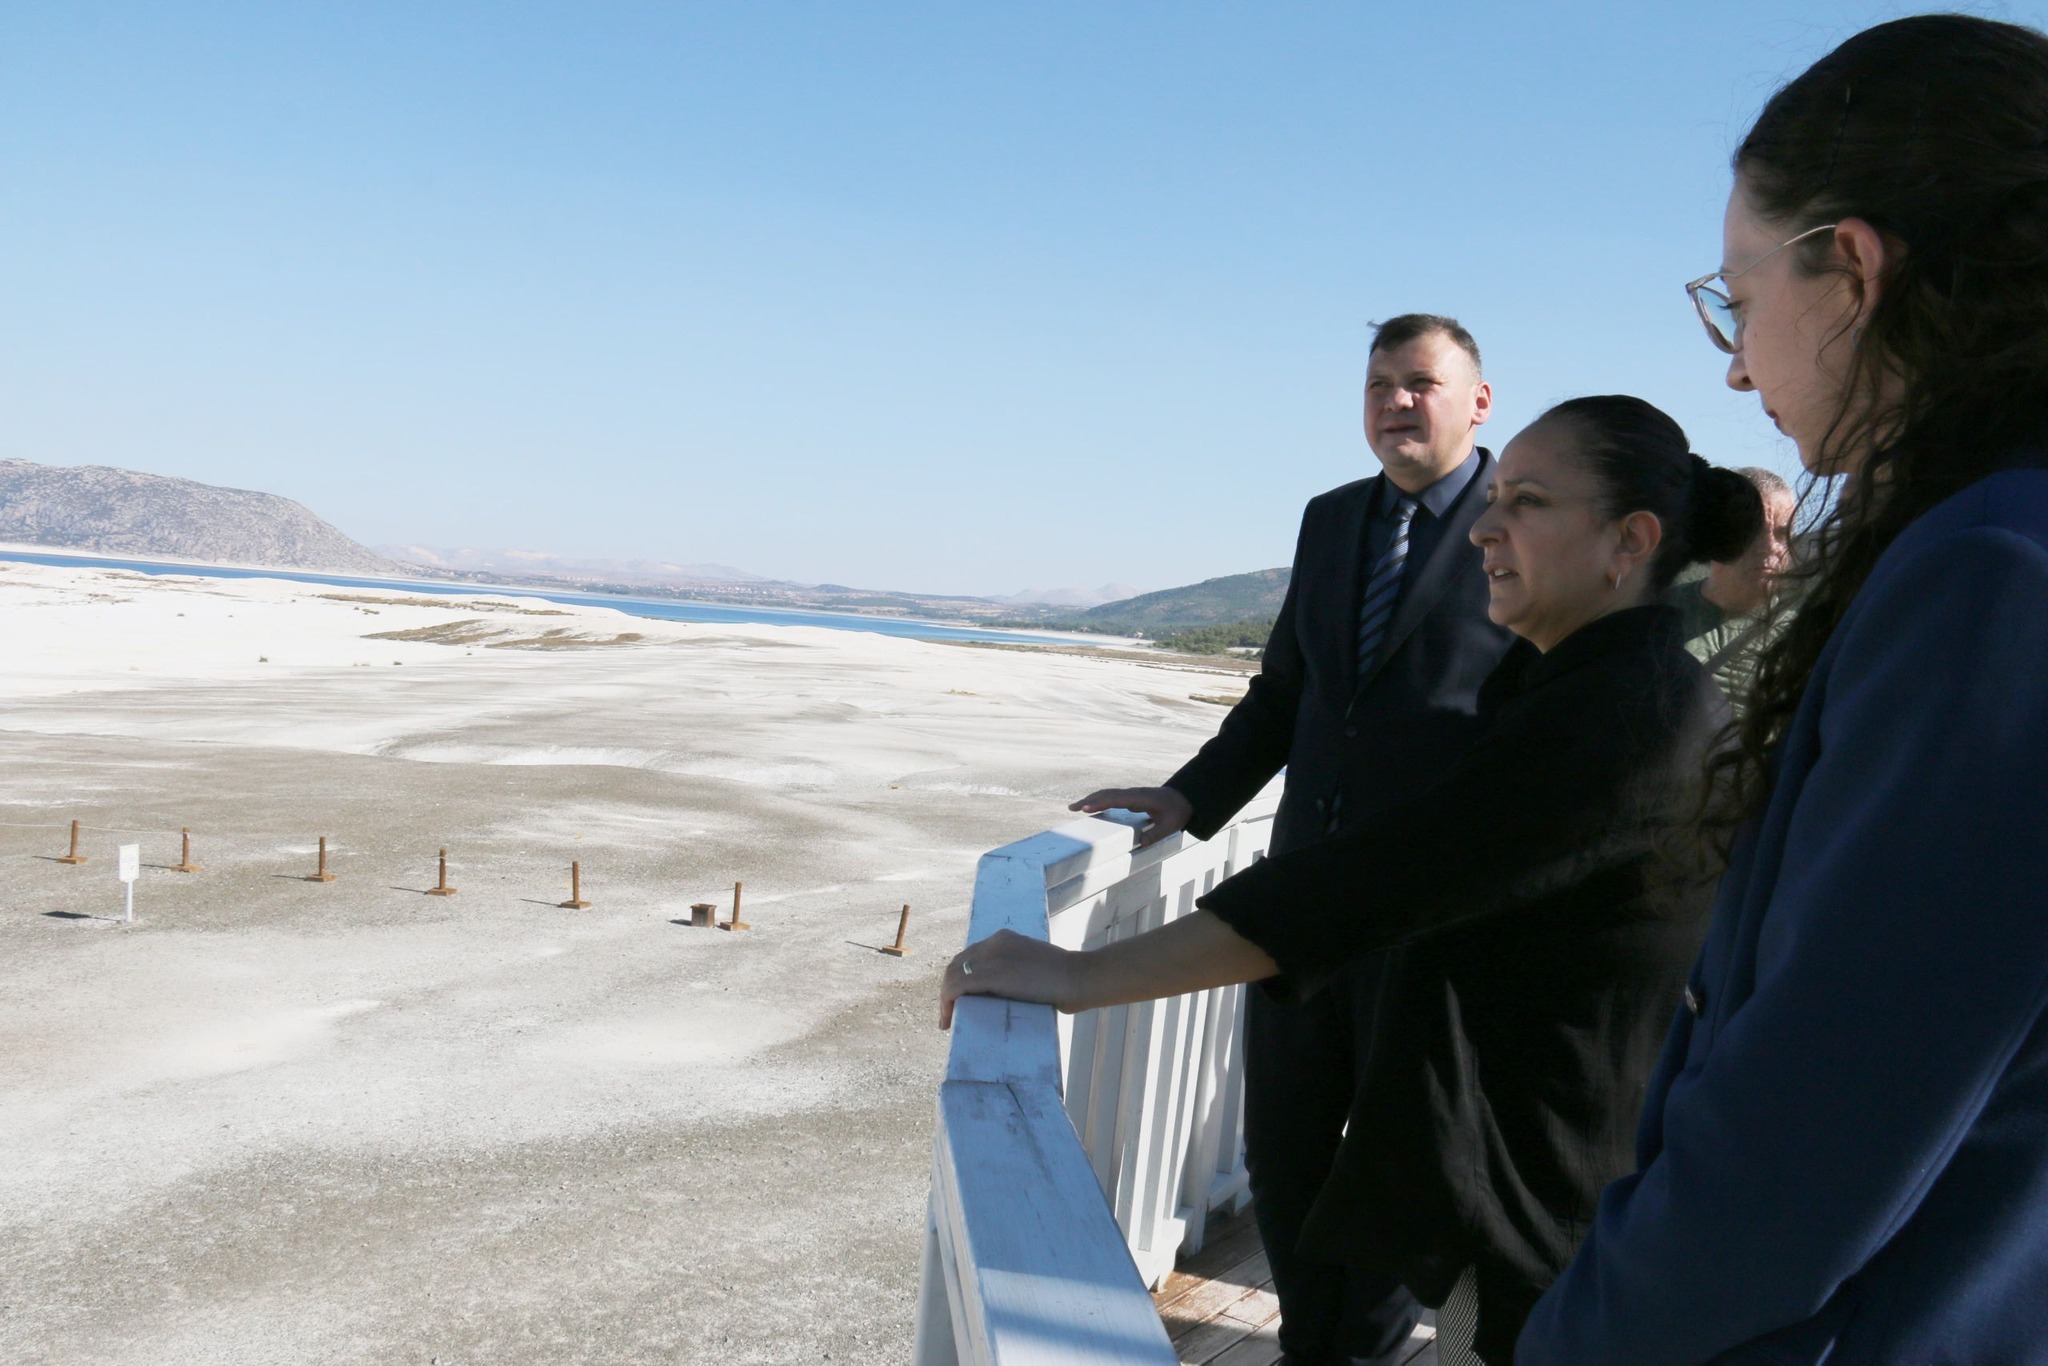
(1219, 1308)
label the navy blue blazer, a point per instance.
(1353, 740)
(1844, 1152)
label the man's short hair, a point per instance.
(1395, 333)
(1767, 483)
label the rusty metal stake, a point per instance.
(575, 901)
(736, 923)
(444, 889)
(185, 863)
(703, 914)
(322, 875)
(74, 857)
(899, 948)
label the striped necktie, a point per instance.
(1382, 587)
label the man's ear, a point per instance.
(1482, 403)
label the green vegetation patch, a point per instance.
(1218, 640)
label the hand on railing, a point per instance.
(1169, 810)
(1193, 953)
(1016, 966)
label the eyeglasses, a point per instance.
(1717, 310)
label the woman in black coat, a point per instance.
(1542, 913)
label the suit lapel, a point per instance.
(1435, 576)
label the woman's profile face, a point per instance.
(1549, 549)
(1792, 346)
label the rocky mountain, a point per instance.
(121, 512)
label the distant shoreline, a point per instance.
(662, 609)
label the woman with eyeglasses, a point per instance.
(1844, 1154)
(1541, 907)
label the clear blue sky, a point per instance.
(958, 298)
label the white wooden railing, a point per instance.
(1048, 1222)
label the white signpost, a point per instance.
(131, 868)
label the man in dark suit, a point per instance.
(1368, 688)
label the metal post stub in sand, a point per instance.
(74, 857)
(322, 875)
(575, 901)
(736, 923)
(443, 889)
(185, 863)
(899, 948)
(703, 914)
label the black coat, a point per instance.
(1543, 935)
(1350, 742)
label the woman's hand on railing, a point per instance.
(1015, 966)
(1169, 810)
(1193, 953)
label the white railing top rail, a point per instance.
(1024, 1261)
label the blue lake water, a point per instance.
(663, 609)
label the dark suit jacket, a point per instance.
(1844, 1152)
(1543, 946)
(1348, 741)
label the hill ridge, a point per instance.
(115, 511)
(1227, 599)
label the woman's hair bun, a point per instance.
(1727, 513)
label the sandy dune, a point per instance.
(280, 1121)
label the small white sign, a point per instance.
(131, 868)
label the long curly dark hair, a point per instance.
(1934, 130)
